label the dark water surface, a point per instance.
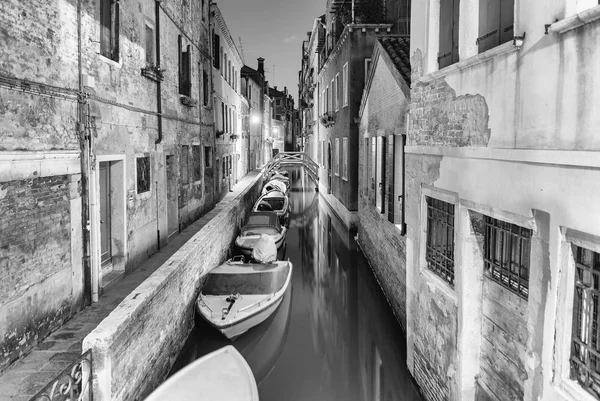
(334, 336)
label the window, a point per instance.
(330, 106)
(380, 175)
(205, 88)
(396, 145)
(223, 169)
(150, 43)
(203, 11)
(109, 29)
(222, 61)
(225, 70)
(366, 167)
(496, 20)
(197, 162)
(336, 82)
(336, 159)
(373, 168)
(278, 102)
(439, 249)
(345, 85)
(506, 255)
(367, 69)
(185, 81)
(184, 164)
(585, 342)
(345, 158)
(207, 156)
(143, 174)
(216, 47)
(448, 39)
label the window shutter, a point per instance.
(507, 20)
(372, 196)
(489, 14)
(185, 72)
(383, 161)
(180, 61)
(445, 56)
(399, 144)
(216, 54)
(105, 27)
(390, 177)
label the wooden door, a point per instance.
(105, 214)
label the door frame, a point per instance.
(118, 170)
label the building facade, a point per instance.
(382, 131)
(502, 166)
(106, 145)
(254, 89)
(351, 32)
(283, 113)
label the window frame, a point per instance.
(345, 159)
(148, 24)
(110, 50)
(197, 172)
(345, 85)
(565, 311)
(501, 34)
(137, 167)
(434, 195)
(336, 158)
(336, 86)
(184, 156)
(368, 63)
(454, 27)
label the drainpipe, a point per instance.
(159, 112)
(158, 86)
(90, 279)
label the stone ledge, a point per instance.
(504, 48)
(577, 20)
(26, 165)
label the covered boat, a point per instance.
(259, 223)
(238, 295)
(222, 375)
(274, 201)
(275, 185)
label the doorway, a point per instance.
(172, 198)
(105, 217)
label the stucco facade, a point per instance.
(505, 137)
(102, 148)
(228, 97)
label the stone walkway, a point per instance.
(25, 377)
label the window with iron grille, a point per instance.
(506, 255)
(439, 251)
(143, 174)
(585, 343)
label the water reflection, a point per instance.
(336, 337)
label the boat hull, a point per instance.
(222, 375)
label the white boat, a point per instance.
(275, 185)
(259, 223)
(222, 375)
(238, 296)
(274, 201)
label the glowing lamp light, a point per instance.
(255, 119)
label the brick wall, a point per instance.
(432, 388)
(440, 118)
(35, 252)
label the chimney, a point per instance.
(261, 65)
(285, 89)
(275, 87)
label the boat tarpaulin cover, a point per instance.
(265, 250)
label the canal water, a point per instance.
(333, 337)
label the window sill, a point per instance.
(438, 284)
(572, 390)
(504, 48)
(188, 101)
(577, 20)
(109, 61)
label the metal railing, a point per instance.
(74, 383)
(293, 158)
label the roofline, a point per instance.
(221, 20)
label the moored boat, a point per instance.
(277, 185)
(259, 223)
(274, 201)
(222, 375)
(238, 295)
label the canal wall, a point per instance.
(134, 348)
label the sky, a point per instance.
(273, 30)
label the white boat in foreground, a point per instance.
(237, 295)
(222, 375)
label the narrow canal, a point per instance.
(334, 336)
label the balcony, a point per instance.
(327, 119)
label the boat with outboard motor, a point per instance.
(240, 294)
(259, 223)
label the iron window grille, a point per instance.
(506, 255)
(585, 344)
(440, 239)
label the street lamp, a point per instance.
(255, 118)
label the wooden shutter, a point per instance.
(186, 81)
(489, 23)
(507, 20)
(372, 196)
(399, 145)
(391, 151)
(179, 62)
(105, 27)
(216, 52)
(445, 54)
(383, 151)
